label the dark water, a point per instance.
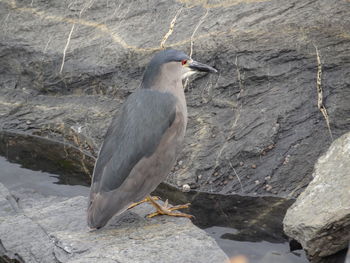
(15, 177)
(255, 251)
(241, 225)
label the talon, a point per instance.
(176, 207)
(165, 210)
(143, 201)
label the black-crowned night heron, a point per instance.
(143, 140)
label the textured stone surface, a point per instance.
(258, 117)
(320, 218)
(35, 228)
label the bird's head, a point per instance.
(172, 64)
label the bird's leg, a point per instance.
(165, 210)
(142, 201)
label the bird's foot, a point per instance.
(143, 201)
(166, 210)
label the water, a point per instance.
(241, 225)
(256, 252)
(15, 178)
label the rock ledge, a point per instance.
(320, 218)
(53, 229)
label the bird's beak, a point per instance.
(197, 66)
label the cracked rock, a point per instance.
(54, 230)
(320, 218)
(265, 93)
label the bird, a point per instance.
(143, 140)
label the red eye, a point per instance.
(183, 62)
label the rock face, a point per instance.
(65, 69)
(320, 218)
(53, 229)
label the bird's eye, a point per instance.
(183, 62)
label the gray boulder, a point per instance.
(66, 67)
(320, 218)
(35, 228)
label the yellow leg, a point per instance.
(165, 210)
(143, 201)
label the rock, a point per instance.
(53, 229)
(65, 69)
(186, 188)
(320, 218)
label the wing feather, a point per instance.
(133, 134)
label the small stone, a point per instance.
(28, 122)
(241, 163)
(216, 174)
(213, 136)
(253, 166)
(270, 147)
(257, 182)
(186, 188)
(230, 177)
(225, 182)
(180, 163)
(267, 178)
(286, 159)
(268, 187)
(199, 176)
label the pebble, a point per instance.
(257, 181)
(253, 166)
(268, 187)
(186, 188)
(241, 163)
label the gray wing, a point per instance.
(133, 134)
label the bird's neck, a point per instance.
(168, 79)
(177, 90)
